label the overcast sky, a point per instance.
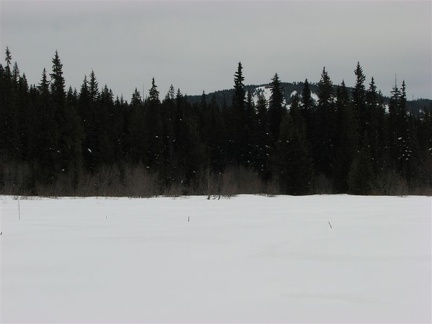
(196, 45)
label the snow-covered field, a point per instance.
(244, 259)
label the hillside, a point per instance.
(290, 88)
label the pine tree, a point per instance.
(154, 94)
(424, 135)
(399, 137)
(239, 90)
(70, 128)
(276, 109)
(406, 161)
(307, 103)
(137, 135)
(9, 137)
(237, 126)
(8, 60)
(307, 108)
(359, 102)
(104, 102)
(93, 87)
(85, 113)
(153, 127)
(15, 74)
(93, 125)
(324, 128)
(392, 129)
(113, 121)
(375, 127)
(47, 135)
(346, 139)
(57, 83)
(249, 130)
(262, 139)
(212, 135)
(26, 121)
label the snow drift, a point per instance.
(246, 259)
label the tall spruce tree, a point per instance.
(376, 126)
(398, 128)
(47, 135)
(9, 139)
(324, 127)
(359, 103)
(307, 107)
(137, 137)
(249, 130)
(70, 128)
(153, 127)
(262, 139)
(238, 117)
(346, 139)
(406, 153)
(276, 109)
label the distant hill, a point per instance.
(290, 88)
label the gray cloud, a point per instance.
(196, 45)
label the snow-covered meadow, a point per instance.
(245, 259)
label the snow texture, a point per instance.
(314, 97)
(266, 92)
(245, 259)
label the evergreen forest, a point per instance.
(88, 142)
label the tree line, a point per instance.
(55, 141)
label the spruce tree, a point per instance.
(307, 107)
(85, 112)
(93, 126)
(152, 128)
(262, 139)
(359, 102)
(70, 128)
(113, 121)
(137, 135)
(399, 136)
(249, 130)
(375, 126)
(276, 108)
(8, 59)
(57, 83)
(237, 149)
(26, 120)
(346, 138)
(47, 135)
(301, 166)
(424, 135)
(9, 139)
(154, 94)
(406, 161)
(324, 128)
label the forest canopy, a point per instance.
(88, 142)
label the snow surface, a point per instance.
(263, 90)
(244, 259)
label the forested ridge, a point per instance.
(88, 142)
